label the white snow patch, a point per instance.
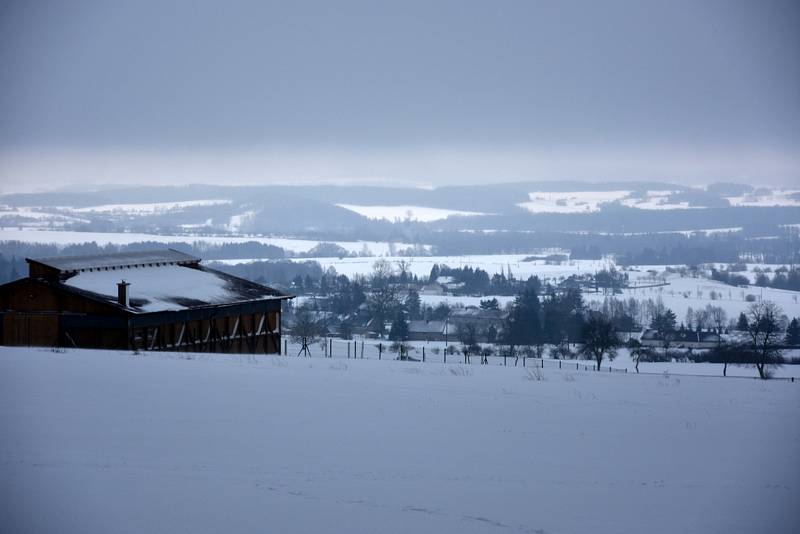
(776, 198)
(236, 221)
(151, 207)
(570, 202)
(405, 212)
(158, 285)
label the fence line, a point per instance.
(360, 349)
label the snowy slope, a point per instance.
(98, 442)
(405, 212)
(30, 235)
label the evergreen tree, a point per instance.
(793, 333)
(490, 304)
(434, 273)
(413, 305)
(742, 324)
(399, 329)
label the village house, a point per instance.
(681, 339)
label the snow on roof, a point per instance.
(426, 327)
(171, 287)
(121, 259)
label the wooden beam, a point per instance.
(180, 336)
(155, 337)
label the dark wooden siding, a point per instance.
(35, 313)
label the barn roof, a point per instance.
(158, 280)
(171, 287)
(146, 258)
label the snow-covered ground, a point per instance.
(434, 352)
(150, 207)
(56, 237)
(570, 202)
(35, 217)
(405, 212)
(98, 442)
(787, 197)
(655, 200)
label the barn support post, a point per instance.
(234, 333)
(154, 339)
(179, 341)
(260, 331)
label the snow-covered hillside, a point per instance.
(98, 442)
(412, 213)
(56, 237)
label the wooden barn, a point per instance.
(153, 300)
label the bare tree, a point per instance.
(305, 329)
(382, 301)
(599, 339)
(764, 329)
(637, 352)
(404, 268)
(718, 319)
(468, 337)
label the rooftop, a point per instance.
(114, 261)
(171, 287)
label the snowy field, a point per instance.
(406, 212)
(435, 353)
(98, 442)
(56, 237)
(592, 201)
(787, 197)
(570, 202)
(150, 207)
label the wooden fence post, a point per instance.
(423, 354)
(348, 350)
(380, 350)
(330, 350)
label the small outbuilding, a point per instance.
(151, 300)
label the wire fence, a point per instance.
(452, 354)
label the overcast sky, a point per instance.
(423, 93)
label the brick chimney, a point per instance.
(122, 294)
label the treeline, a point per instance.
(782, 278)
